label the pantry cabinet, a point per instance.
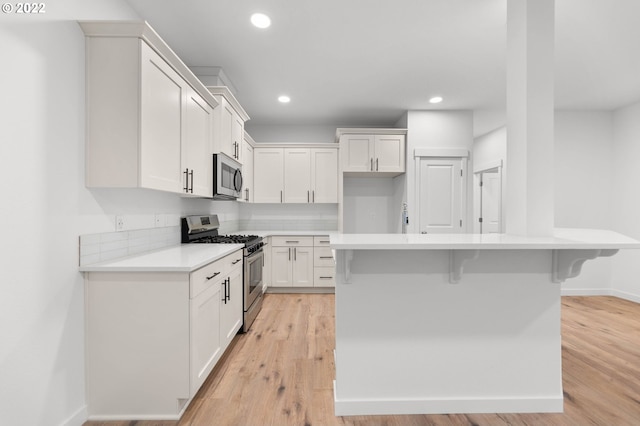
(149, 119)
(296, 175)
(372, 151)
(228, 122)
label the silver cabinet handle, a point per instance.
(325, 278)
(295, 253)
(289, 253)
(292, 241)
(371, 166)
(376, 164)
(326, 257)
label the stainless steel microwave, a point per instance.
(227, 177)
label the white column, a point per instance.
(530, 109)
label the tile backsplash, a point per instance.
(113, 245)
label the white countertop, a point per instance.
(182, 258)
(264, 233)
(563, 238)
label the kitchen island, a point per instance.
(463, 323)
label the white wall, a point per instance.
(291, 133)
(45, 207)
(626, 202)
(582, 178)
(435, 129)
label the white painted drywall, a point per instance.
(626, 201)
(45, 207)
(582, 180)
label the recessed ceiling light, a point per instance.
(284, 99)
(260, 20)
(435, 100)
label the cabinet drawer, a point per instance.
(323, 257)
(321, 241)
(291, 241)
(234, 260)
(205, 277)
(324, 277)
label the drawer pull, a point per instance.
(326, 257)
(288, 242)
(213, 276)
(326, 278)
(323, 242)
(236, 261)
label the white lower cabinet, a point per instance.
(301, 262)
(291, 261)
(152, 338)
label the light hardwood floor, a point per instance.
(281, 372)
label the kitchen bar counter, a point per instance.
(434, 324)
(181, 258)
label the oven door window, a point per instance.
(255, 273)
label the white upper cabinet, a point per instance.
(149, 119)
(296, 174)
(196, 151)
(228, 123)
(324, 175)
(372, 151)
(247, 169)
(268, 175)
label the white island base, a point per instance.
(427, 325)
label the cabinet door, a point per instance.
(231, 310)
(196, 147)
(162, 105)
(268, 169)
(226, 128)
(357, 153)
(389, 153)
(324, 175)
(205, 335)
(297, 175)
(281, 266)
(237, 136)
(302, 266)
(247, 172)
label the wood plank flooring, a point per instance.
(282, 371)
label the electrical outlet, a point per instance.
(119, 222)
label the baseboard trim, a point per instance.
(627, 296)
(447, 406)
(78, 418)
(586, 292)
(301, 290)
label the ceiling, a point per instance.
(364, 62)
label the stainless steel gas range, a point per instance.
(204, 229)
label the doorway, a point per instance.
(489, 198)
(441, 195)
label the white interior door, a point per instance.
(441, 195)
(490, 202)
